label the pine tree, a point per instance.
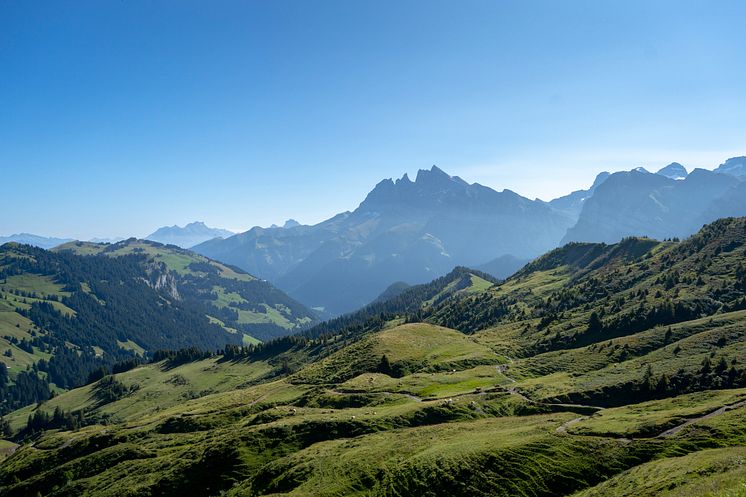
(647, 378)
(663, 385)
(594, 323)
(5, 430)
(385, 366)
(706, 367)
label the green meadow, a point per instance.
(597, 370)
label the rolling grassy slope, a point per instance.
(20, 292)
(681, 477)
(412, 301)
(63, 315)
(596, 370)
(408, 347)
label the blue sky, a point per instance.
(118, 117)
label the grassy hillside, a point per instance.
(234, 299)
(409, 302)
(681, 477)
(596, 370)
(407, 348)
(85, 306)
(63, 316)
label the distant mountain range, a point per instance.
(572, 204)
(48, 242)
(106, 240)
(404, 230)
(184, 237)
(44, 242)
(673, 171)
(735, 166)
(503, 266)
(188, 236)
(639, 203)
(412, 231)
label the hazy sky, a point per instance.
(117, 117)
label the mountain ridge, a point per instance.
(403, 230)
(735, 166)
(44, 242)
(635, 203)
(236, 300)
(674, 171)
(187, 236)
(412, 231)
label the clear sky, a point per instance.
(117, 117)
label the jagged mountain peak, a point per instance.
(424, 178)
(735, 166)
(427, 184)
(600, 178)
(403, 230)
(434, 171)
(674, 171)
(437, 176)
(434, 188)
(188, 236)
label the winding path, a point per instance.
(667, 433)
(503, 368)
(563, 427)
(673, 431)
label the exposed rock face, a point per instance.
(166, 283)
(162, 280)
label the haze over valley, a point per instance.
(416, 230)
